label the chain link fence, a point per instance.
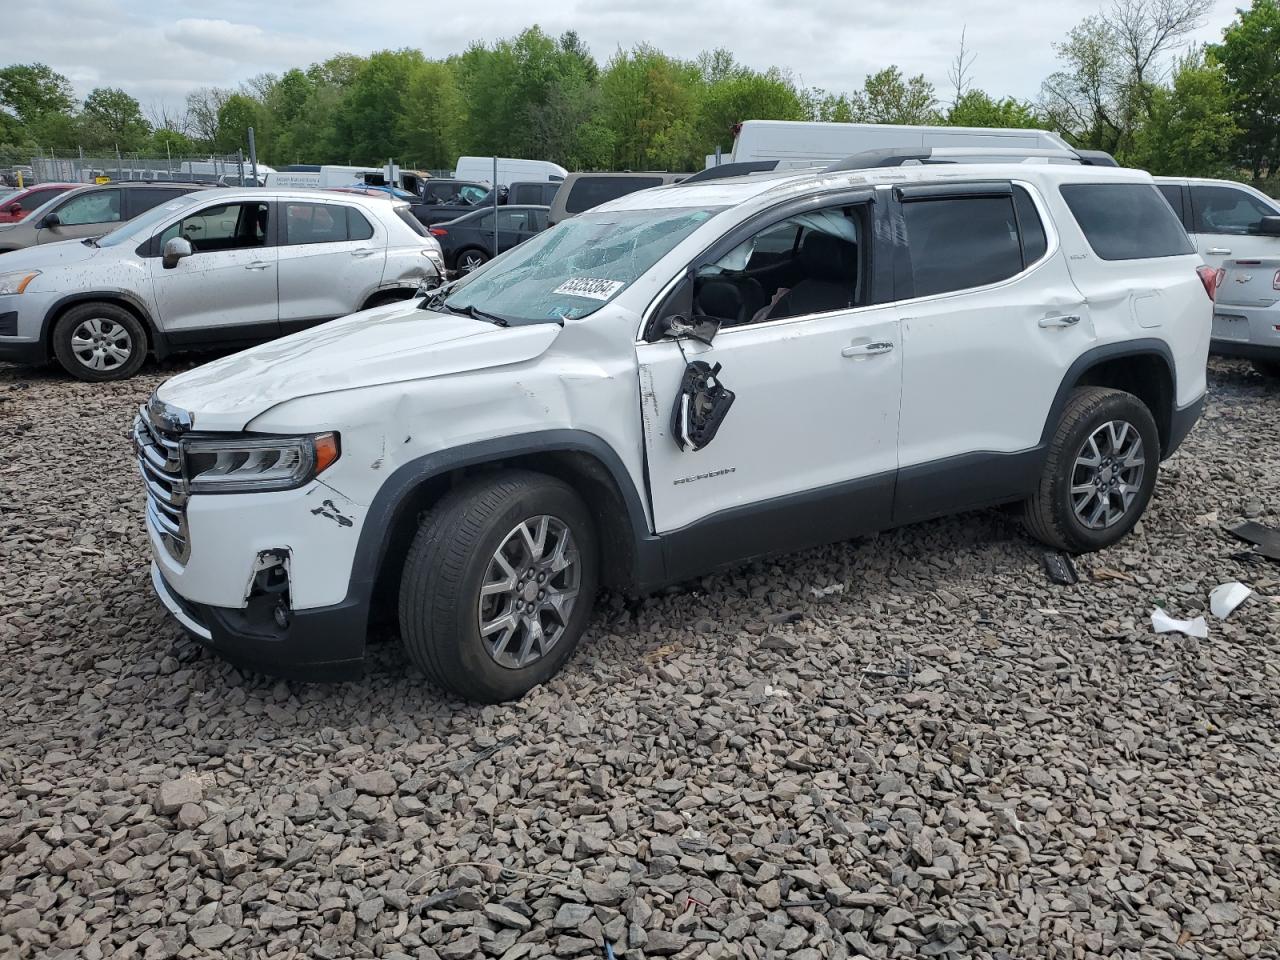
(230, 170)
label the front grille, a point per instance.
(160, 460)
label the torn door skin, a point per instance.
(702, 402)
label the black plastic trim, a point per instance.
(945, 191)
(9, 323)
(1246, 351)
(781, 525)
(224, 336)
(1148, 346)
(965, 482)
(1181, 422)
(30, 352)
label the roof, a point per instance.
(786, 183)
(232, 194)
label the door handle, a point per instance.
(867, 349)
(1069, 320)
(1219, 252)
(363, 253)
(257, 265)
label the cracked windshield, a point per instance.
(576, 267)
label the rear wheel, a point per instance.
(469, 260)
(1099, 473)
(1268, 368)
(498, 585)
(99, 341)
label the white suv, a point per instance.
(670, 383)
(205, 269)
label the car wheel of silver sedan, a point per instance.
(99, 341)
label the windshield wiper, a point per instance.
(475, 313)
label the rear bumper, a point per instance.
(1180, 424)
(1248, 332)
(324, 643)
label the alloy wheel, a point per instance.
(529, 591)
(470, 261)
(101, 344)
(1107, 475)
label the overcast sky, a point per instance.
(158, 50)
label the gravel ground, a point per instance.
(908, 745)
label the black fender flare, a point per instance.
(159, 343)
(375, 532)
(1145, 347)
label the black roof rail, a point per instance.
(1096, 158)
(885, 157)
(726, 170)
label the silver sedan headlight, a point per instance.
(253, 464)
(16, 282)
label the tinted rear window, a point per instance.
(412, 222)
(1126, 221)
(590, 192)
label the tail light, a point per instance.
(437, 232)
(1275, 281)
(1210, 277)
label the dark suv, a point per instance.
(88, 212)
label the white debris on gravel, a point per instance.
(737, 769)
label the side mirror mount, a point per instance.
(175, 249)
(14, 207)
(49, 221)
(1269, 226)
(677, 325)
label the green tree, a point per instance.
(649, 100)
(372, 105)
(887, 97)
(28, 91)
(976, 108)
(165, 142)
(729, 96)
(203, 106)
(1190, 129)
(1250, 58)
(235, 117)
(112, 119)
(427, 131)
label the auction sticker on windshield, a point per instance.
(589, 287)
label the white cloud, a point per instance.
(244, 43)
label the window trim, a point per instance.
(152, 244)
(1052, 244)
(762, 220)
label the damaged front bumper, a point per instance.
(326, 643)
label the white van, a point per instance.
(510, 170)
(311, 177)
(800, 143)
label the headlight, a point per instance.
(248, 465)
(17, 281)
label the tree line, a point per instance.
(1126, 82)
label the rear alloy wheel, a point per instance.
(99, 341)
(469, 260)
(1099, 473)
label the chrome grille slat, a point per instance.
(160, 464)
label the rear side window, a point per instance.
(1173, 193)
(140, 201)
(1227, 210)
(590, 192)
(358, 228)
(412, 222)
(1034, 242)
(1126, 221)
(961, 242)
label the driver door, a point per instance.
(807, 452)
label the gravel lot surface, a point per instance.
(910, 745)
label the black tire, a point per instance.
(1050, 514)
(1268, 368)
(447, 563)
(96, 328)
(473, 256)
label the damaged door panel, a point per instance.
(701, 406)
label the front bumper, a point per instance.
(325, 643)
(1248, 332)
(21, 326)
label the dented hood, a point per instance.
(390, 344)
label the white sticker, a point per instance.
(589, 287)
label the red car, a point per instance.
(17, 205)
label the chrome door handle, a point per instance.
(1219, 252)
(257, 265)
(867, 349)
(1065, 321)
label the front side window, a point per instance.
(1126, 221)
(1227, 210)
(806, 264)
(101, 206)
(955, 243)
(227, 226)
(576, 267)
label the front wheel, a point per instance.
(498, 585)
(99, 341)
(1099, 473)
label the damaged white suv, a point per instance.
(673, 382)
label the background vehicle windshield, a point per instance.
(577, 266)
(142, 225)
